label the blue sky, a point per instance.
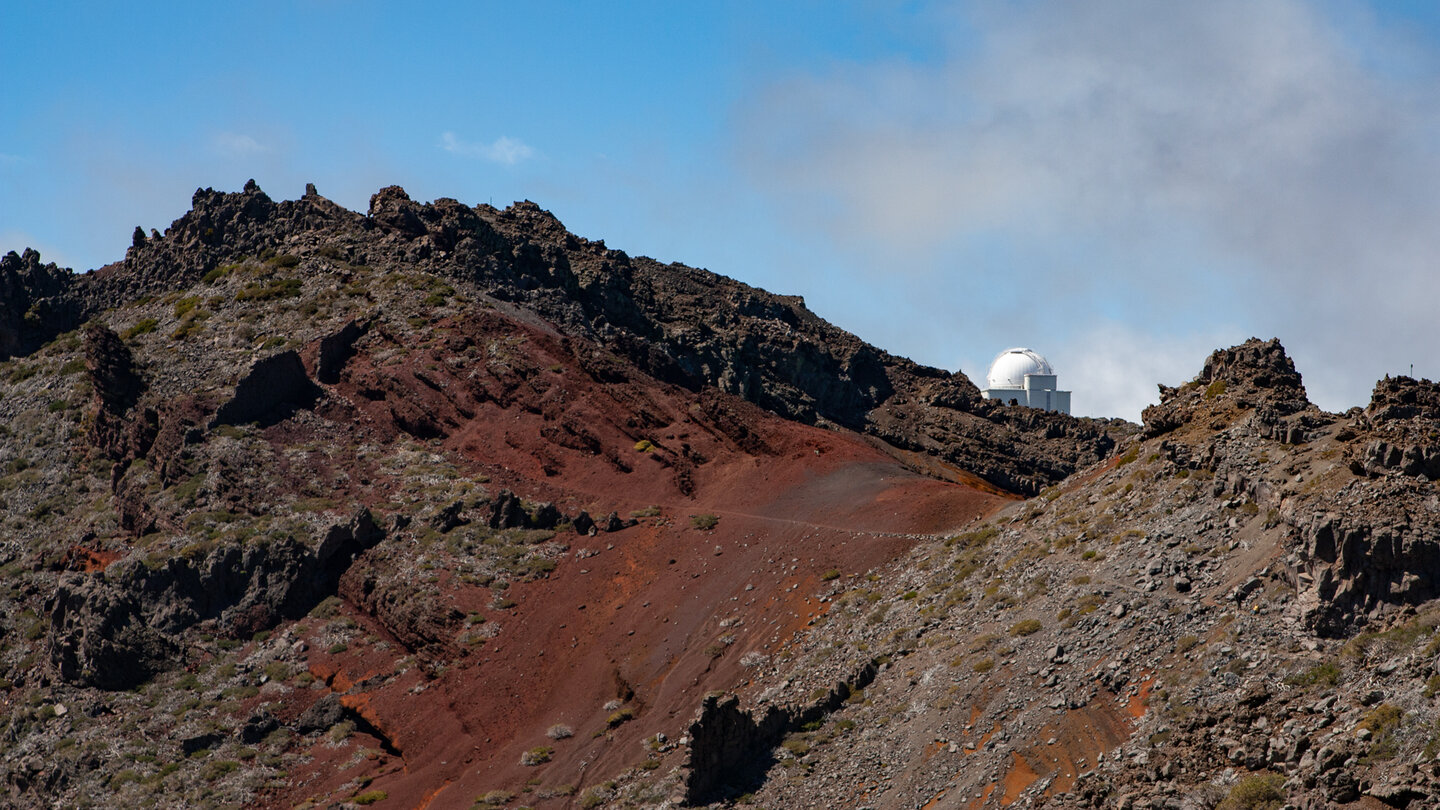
(1123, 186)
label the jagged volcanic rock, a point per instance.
(683, 325)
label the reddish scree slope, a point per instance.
(555, 419)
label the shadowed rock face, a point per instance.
(683, 325)
(118, 386)
(37, 301)
(275, 387)
(118, 629)
(731, 750)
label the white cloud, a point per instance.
(1114, 369)
(1293, 174)
(504, 150)
(236, 145)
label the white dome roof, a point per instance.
(1009, 368)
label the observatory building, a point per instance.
(1023, 377)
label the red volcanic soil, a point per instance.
(635, 615)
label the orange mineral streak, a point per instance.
(92, 560)
(334, 676)
(1081, 736)
(360, 704)
(428, 798)
(984, 738)
(1139, 702)
(1017, 778)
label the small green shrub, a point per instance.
(1259, 792)
(644, 446)
(832, 574)
(1432, 686)
(144, 326)
(120, 779)
(218, 768)
(704, 522)
(1382, 718)
(186, 304)
(1026, 627)
(495, 798)
(1322, 674)
(328, 608)
(796, 744)
(191, 325)
(619, 718)
(439, 296)
(539, 755)
(370, 797)
(1215, 389)
(279, 288)
(341, 731)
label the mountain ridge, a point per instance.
(686, 326)
(437, 506)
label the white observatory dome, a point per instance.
(1009, 368)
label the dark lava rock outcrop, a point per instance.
(116, 629)
(118, 386)
(37, 301)
(1256, 375)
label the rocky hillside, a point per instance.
(304, 505)
(439, 506)
(1237, 612)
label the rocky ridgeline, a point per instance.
(1363, 538)
(680, 324)
(1402, 416)
(1238, 613)
(1256, 374)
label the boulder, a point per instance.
(507, 512)
(322, 714)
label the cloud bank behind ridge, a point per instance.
(1248, 167)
